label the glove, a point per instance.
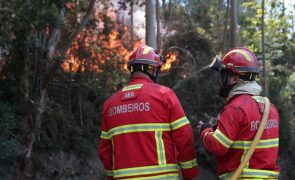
(204, 129)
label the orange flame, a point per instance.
(93, 49)
(99, 48)
(170, 58)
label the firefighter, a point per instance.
(239, 120)
(145, 133)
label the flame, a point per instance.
(93, 48)
(99, 48)
(170, 58)
(113, 35)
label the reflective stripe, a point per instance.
(131, 87)
(139, 128)
(179, 123)
(113, 154)
(172, 176)
(142, 61)
(241, 51)
(243, 156)
(220, 137)
(258, 99)
(145, 170)
(108, 172)
(145, 127)
(160, 148)
(268, 143)
(104, 135)
(146, 50)
(253, 173)
(247, 69)
(188, 164)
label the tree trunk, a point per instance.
(233, 24)
(225, 28)
(158, 14)
(263, 51)
(132, 21)
(150, 23)
(219, 26)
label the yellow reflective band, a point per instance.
(172, 176)
(132, 87)
(139, 128)
(146, 50)
(179, 123)
(145, 170)
(160, 148)
(268, 143)
(188, 164)
(104, 135)
(241, 51)
(220, 137)
(113, 156)
(253, 173)
(258, 99)
(108, 172)
(243, 156)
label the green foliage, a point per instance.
(9, 145)
(289, 90)
(9, 140)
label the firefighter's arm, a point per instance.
(105, 151)
(183, 137)
(186, 155)
(219, 141)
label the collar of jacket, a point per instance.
(246, 87)
(142, 77)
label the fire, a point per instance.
(99, 48)
(113, 35)
(170, 57)
(94, 49)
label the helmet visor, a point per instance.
(216, 64)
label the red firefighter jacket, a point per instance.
(145, 134)
(237, 125)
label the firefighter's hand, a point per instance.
(201, 126)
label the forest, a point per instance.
(61, 59)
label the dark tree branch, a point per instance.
(60, 55)
(79, 28)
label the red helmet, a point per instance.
(240, 61)
(145, 55)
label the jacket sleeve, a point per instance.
(183, 137)
(105, 150)
(219, 141)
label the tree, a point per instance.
(233, 24)
(150, 22)
(158, 14)
(40, 37)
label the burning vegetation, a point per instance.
(95, 46)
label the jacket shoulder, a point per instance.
(241, 102)
(112, 97)
(160, 88)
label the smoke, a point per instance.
(138, 18)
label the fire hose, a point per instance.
(255, 140)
